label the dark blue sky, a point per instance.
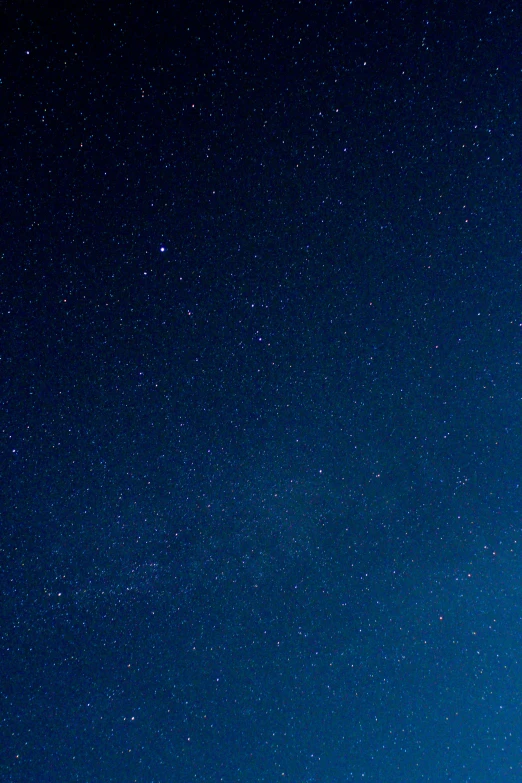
(261, 297)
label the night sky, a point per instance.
(261, 410)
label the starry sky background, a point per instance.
(261, 392)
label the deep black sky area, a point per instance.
(260, 363)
